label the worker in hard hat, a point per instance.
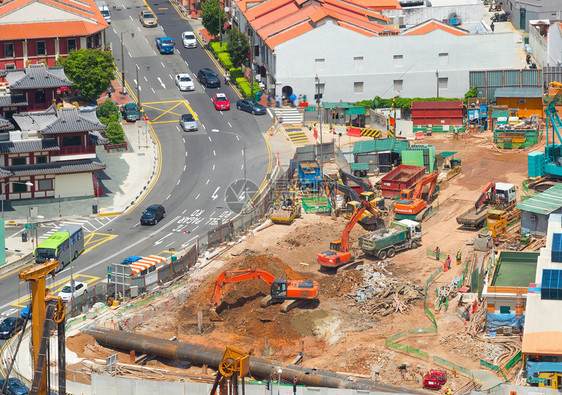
(459, 257)
(448, 391)
(437, 251)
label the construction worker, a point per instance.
(448, 391)
(448, 262)
(437, 251)
(459, 257)
(454, 373)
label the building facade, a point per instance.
(523, 11)
(35, 31)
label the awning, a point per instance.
(446, 154)
(355, 111)
(145, 263)
(359, 166)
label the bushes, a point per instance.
(115, 133)
(224, 59)
(217, 48)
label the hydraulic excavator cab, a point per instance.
(406, 194)
(335, 245)
(368, 196)
(279, 288)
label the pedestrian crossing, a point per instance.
(289, 116)
(297, 136)
(89, 225)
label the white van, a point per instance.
(104, 9)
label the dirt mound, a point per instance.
(85, 346)
(340, 284)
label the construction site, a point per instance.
(403, 302)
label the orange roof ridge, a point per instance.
(433, 24)
(265, 8)
(357, 9)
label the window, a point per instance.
(89, 42)
(71, 44)
(41, 159)
(505, 310)
(18, 161)
(398, 85)
(443, 59)
(71, 141)
(40, 97)
(319, 64)
(9, 50)
(19, 187)
(41, 49)
(10, 66)
(443, 83)
(97, 40)
(398, 60)
(45, 185)
(358, 87)
(358, 62)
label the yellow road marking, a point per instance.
(15, 271)
(56, 288)
(97, 241)
(167, 111)
(162, 8)
(164, 111)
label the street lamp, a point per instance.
(124, 91)
(29, 184)
(320, 116)
(279, 379)
(244, 152)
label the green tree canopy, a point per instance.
(91, 71)
(238, 47)
(108, 112)
(472, 92)
(212, 15)
(115, 133)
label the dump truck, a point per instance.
(383, 243)
(165, 45)
(499, 194)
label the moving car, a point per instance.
(14, 387)
(221, 102)
(153, 214)
(148, 19)
(208, 78)
(251, 106)
(79, 289)
(184, 82)
(188, 123)
(10, 326)
(188, 39)
(130, 112)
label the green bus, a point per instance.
(64, 246)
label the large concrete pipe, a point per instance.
(259, 367)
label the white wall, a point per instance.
(538, 45)
(554, 43)
(338, 46)
(417, 15)
(69, 185)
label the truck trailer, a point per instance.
(383, 243)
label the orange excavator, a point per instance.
(292, 293)
(339, 254)
(415, 203)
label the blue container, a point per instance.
(556, 252)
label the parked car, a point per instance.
(14, 387)
(208, 78)
(148, 19)
(188, 123)
(188, 39)
(79, 289)
(9, 326)
(130, 112)
(251, 106)
(221, 102)
(184, 82)
(153, 214)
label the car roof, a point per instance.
(220, 95)
(188, 32)
(187, 115)
(206, 70)
(153, 206)
(181, 75)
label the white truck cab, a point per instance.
(104, 9)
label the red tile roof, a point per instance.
(377, 5)
(431, 25)
(88, 20)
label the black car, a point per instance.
(251, 106)
(14, 387)
(153, 214)
(208, 78)
(10, 326)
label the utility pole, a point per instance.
(250, 36)
(319, 104)
(437, 78)
(220, 25)
(138, 89)
(124, 91)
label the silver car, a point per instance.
(188, 39)
(188, 123)
(184, 82)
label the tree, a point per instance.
(213, 16)
(114, 133)
(472, 92)
(108, 112)
(91, 71)
(238, 47)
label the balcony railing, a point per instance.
(89, 149)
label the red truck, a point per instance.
(435, 379)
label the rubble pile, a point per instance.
(464, 345)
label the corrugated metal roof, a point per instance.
(5, 124)
(519, 92)
(373, 145)
(7, 147)
(37, 76)
(64, 167)
(544, 203)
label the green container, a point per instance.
(174, 258)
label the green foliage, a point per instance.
(401, 102)
(108, 112)
(245, 88)
(224, 59)
(238, 47)
(235, 73)
(91, 71)
(114, 133)
(217, 48)
(213, 16)
(472, 92)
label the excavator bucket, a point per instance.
(214, 315)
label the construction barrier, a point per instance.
(452, 365)
(495, 368)
(408, 349)
(316, 204)
(513, 361)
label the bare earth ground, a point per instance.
(342, 334)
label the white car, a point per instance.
(188, 39)
(79, 290)
(184, 82)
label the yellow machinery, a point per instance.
(550, 380)
(39, 302)
(286, 213)
(368, 221)
(497, 222)
(234, 364)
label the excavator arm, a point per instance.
(365, 185)
(352, 222)
(236, 276)
(429, 179)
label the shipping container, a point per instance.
(437, 112)
(400, 178)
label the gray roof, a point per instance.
(5, 124)
(63, 167)
(37, 76)
(7, 147)
(13, 100)
(544, 203)
(519, 92)
(4, 173)
(63, 120)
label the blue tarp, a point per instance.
(495, 321)
(534, 368)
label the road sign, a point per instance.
(30, 226)
(295, 379)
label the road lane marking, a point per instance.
(207, 181)
(197, 197)
(162, 239)
(178, 183)
(168, 196)
(213, 166)
(93, 240)
(145, 78)
(187, 64)
(161, 83)
(130, 16)
(178, 128)
(186, 153)
(269, 112)
(153, 91)
(204, 127)
(237, 138)
(183, 212)
(184, 166)
(215, 195)
(138, 28)
(210, 139)
(229, 124)
(129, 54)
(162, 63)
(214, 153)
(172, 78)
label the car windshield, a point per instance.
(67, 289)
(148, 15)
(6, 324)
(185, 79)
(150, 211)
(187, 118)
(189, 36)
(130, 109)
(221, 98)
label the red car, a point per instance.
(221, 102)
